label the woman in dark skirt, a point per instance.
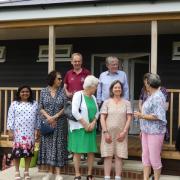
(53, 146)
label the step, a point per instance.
(131, 169)
(167, 177)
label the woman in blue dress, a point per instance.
(53, 146)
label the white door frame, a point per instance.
(124, 56)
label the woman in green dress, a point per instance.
(82, 134)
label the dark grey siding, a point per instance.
(21, 66)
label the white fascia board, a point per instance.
(88, 11)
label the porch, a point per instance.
(7, 95)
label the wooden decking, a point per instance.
(135, 149)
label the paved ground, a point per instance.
(8, 174)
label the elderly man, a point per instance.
(74, 80)
(106, 78)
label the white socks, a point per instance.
(107, 177)
(117, 177)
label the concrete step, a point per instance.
(131, 169)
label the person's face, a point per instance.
(58, 80)
(76, 62)
(24, 94)
(113, 66)
(93, 89)
(146, 85)
(117, 90)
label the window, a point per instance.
(62, 53)
(2, 54)
(176, 51)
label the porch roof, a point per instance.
(105, 9)
(13, 3)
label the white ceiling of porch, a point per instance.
(123, 29)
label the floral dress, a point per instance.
(53, 147)
(22, 119)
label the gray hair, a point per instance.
(109, 59)
(90, 81)
(154, 80)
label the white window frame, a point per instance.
(2, 54)
(58, 57)
(176, 53)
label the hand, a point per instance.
(11, 134)
(52, 121)
(137, 114)
(120, 137)
(69, 95)
(37, 135)
(91, 126)
(108, 138)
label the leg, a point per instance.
(118, 166)
(107, 166)
(58, 174)
(90, 162)
(155, 147)
(17, 173)
(27, 163)
(50, 174)
(145, 156)
(147, 171)
(76, 160)
(26, 172)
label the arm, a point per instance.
(99, 92)
(68, 94)
(11, 120)
(126, 87)
(140, 105)
(105, 132)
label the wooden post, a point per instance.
(154, 40)
(52, 46)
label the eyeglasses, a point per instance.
(60, 79)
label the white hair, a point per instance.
(110, 59)
(90, 81)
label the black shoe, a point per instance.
(101, 161)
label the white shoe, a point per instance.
(59, 177)
(48, 176)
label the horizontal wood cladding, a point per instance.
(21, 66)
(91, 20)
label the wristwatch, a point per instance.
(104, 132)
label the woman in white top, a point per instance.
(22, 125)
(82, 134)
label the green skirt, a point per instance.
(80, 141)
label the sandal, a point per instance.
(77, 178)
(90, 177)
(26, 175)
(17, 175)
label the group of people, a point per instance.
(26, 115)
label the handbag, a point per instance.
(68, 110)
(46, 128)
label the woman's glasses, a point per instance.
(59, 78)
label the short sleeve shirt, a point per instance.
(154, 105)
(75, 81)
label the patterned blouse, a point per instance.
(154, 105)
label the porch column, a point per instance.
(52, 46)
(154, 39)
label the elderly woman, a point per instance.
(116, 115)
(82, 134)
(153, 126)
(53, 146)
